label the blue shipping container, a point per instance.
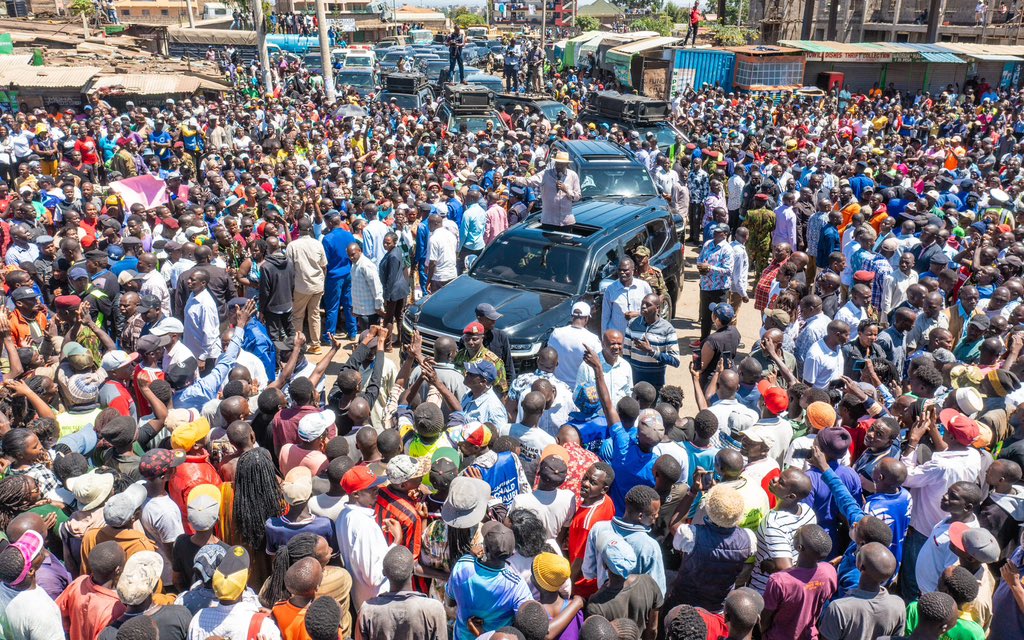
(695, 67)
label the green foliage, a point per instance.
(641, 5)
(82, 8)
(588, 23)
(464, 18)
(725, 35)
(660, 23)
(679, 14)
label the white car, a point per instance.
(357, 59)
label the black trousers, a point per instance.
(696, 214)
(706, 299)
(279, 325)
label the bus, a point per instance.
(421, 36)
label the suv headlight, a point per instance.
(525, 349)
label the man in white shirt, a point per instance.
(824, 360)
(367, 291)
(555, 507)
(153, 282)
(856, 309)
(618, 375)
(571, 342)
(373, 239)
(361, 540)
(202, 319)
(734, 194)
(442, 253)
(622, 298)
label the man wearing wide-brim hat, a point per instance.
(559, 189)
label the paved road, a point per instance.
(687, 325)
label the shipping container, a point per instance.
(693, 68)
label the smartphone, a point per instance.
(707, 480)
(858, 365)
(802, 454)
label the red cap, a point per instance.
(864, 276)
(963, 429)
(170, 223)
(474, 329)
(358, 478)
(775, 398)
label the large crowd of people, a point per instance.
(215, 422)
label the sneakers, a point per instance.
(315, 350)
(695, 345)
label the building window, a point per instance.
(165, 12)
(125, 12)
(145, 13)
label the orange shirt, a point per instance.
(291, 620)
(21, 328)
(88, 608)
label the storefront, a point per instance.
(641, 65)
(770, 69)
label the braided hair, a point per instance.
(301, 546)
(257, 496)
(15, 497)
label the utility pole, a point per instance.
(325, 51)
(261, 44)
(807, 29)
(833, 19)
(191, 18)
(543, 25)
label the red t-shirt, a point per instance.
(583, 521)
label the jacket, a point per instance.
(392, 276)
(709, 572)
(277, 281)
(194, 471)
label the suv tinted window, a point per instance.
(528, 263)
(659, 236)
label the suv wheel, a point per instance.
(668, 306)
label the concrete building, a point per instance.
(916, 21)
(531, 13)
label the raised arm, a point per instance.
(293, 361)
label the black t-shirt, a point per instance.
(1013, 449)
(183, 554)
(171, 622)
(724, 342)
(634, 601)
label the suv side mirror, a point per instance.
(604, 284)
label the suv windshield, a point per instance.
(665, 134)
(532, 264)
(403, 100)
(476, 122)
(615, 181)
(357, 80)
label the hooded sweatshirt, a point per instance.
(277, 281)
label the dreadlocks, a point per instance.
(15, 497)
(299, 547)
(257, 496)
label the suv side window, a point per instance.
(636, 238)
(659, 236)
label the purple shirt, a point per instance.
(52, 577)
(785, 226)
(797, 597)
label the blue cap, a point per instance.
(474, 188)
(484, 369)
(980, 226)
(78, 272)
(115, 252)
(723, 311)
(720, 227)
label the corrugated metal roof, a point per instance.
(146, 84)
(46, 77)
(646, 44)
(933, 53)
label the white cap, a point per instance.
(581, 310)
(999, 196)
(167, 326)
(313, 425)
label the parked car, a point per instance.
(494, 83)
(363, 80)
(475, 120)
(543, 105)
(533, 274)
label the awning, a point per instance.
(995, 57)
(945, 58)
(645, 45)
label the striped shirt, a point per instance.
(399, 508)
(719, 258)
(775, 540)
(661, 335)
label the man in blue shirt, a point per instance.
(257, 340)
(423, 240)
(162, 140)
(455, 207)
(338, 282)
(829, 241)
(834, 443)
(471, 232)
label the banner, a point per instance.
(147, 190)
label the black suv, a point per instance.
(606, 170)
(533, 274)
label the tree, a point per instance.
(85, 9)
(588, 23)
(642, 5)
(660, 23)
(469, 20)
(679, 14)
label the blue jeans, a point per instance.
(912, 545)
(338, 297)
(452, 61)
(423, 277)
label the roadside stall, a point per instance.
(768, 69)
(34, 87)
(642, 66)
(694, 68)
(999, 65)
